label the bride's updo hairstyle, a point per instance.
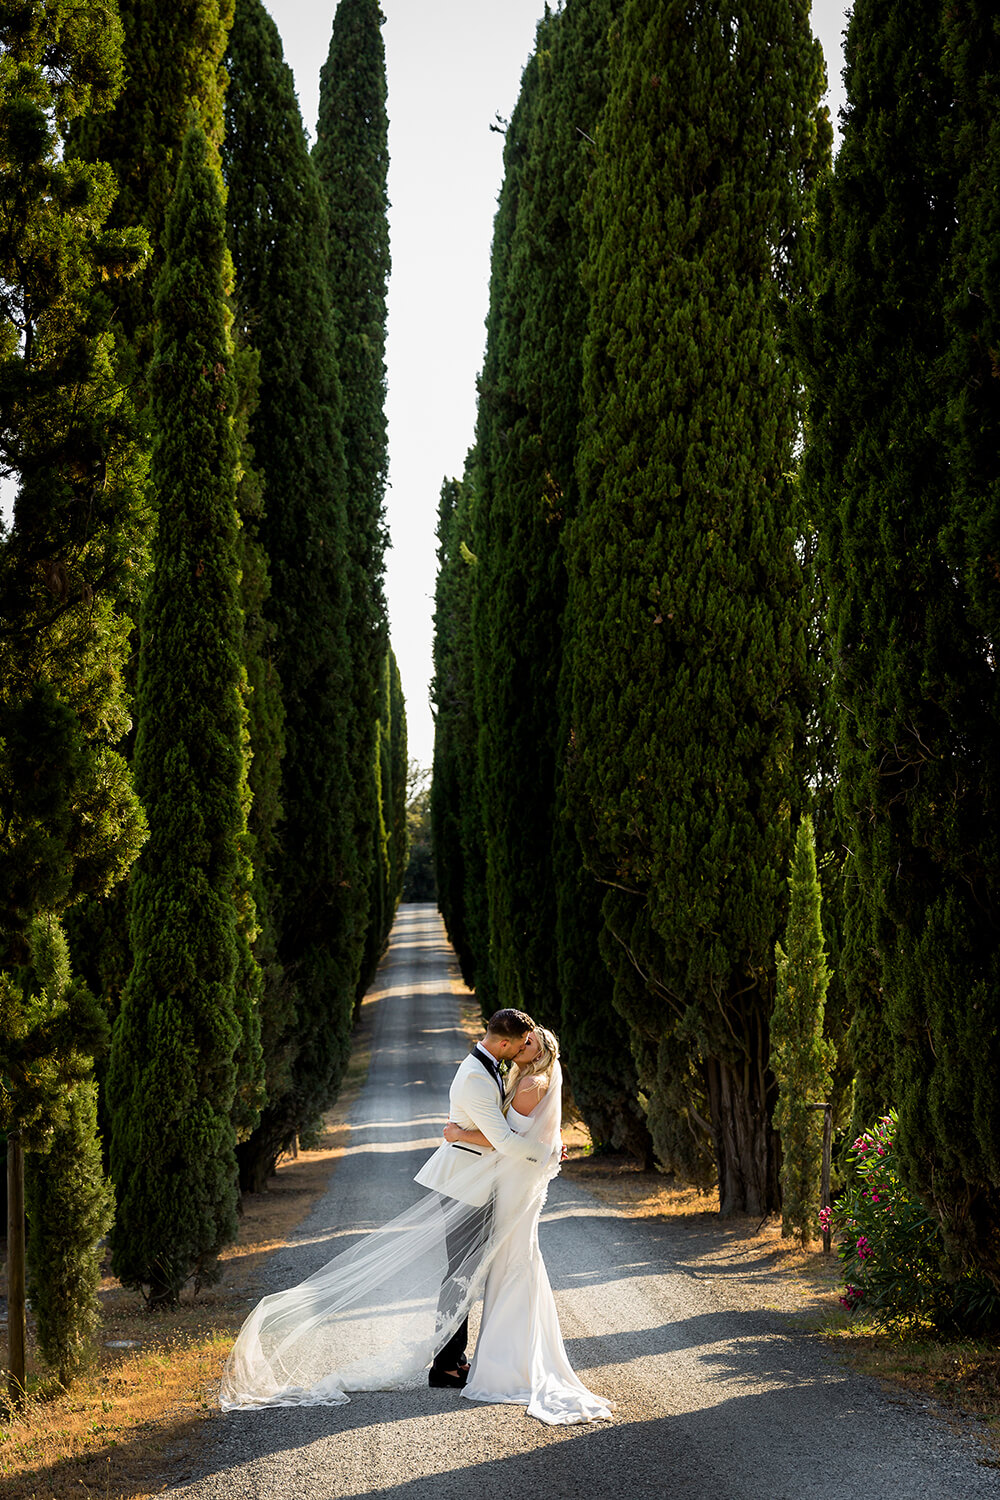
(548, 1051)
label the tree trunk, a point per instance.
(257, 1157)
(746, 1146)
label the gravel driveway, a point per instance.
(719, 1394)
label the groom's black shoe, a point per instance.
(443, 1379)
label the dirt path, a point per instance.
(722, 1393)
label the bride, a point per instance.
(520, 1356)
(372, 1318)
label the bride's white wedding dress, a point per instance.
(370, 1319)
(520, 1355)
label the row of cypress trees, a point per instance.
(637, 605)
(207, 484)
(903, 479)
(725, 552)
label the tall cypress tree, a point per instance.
(398, 769)
(452, 693)
(379, 902)
(351, 156)
(799, 1055)
(529, 414)
(173, 1076)
(688, 599)
(456, 812)
(277, 226)
(70, 560)
(173, 79)
(513, 664)
(70, 1204)
(904, 467)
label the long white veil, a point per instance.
(374, 1316)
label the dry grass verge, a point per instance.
(140, 1410)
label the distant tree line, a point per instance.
(724, 555)
(202, 726)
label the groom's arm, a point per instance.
(479, 1100)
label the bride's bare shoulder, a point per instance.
(529, 1093)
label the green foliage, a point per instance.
(259, 972)
(306, 858)
(70, 1206)
(381, 902)
(418, 882)
(70, 563)
(398, 821)
(689, 600)
(456, 824)
(902, 464)
(800, 1057)
(173, 1074)
(47, 1059)
(351, 157)
(174, 79)
(511, 826)
(892, 1249)
(518, 592)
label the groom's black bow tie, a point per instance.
(490, 1066)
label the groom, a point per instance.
(474, 1102)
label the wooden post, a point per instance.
(15, 1269)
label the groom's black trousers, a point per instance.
(465, 1244)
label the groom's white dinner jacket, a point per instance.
(466, 1172)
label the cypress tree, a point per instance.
(398, 778)
(451, 690)
(800, 1057)
(529, 414)
(903, 462)
(512, 657)
(71, 824)
(688, 599)
(456, 821)
(174, 79)
(379, 902)
(67, 437)
(69, 1203)
(306, 851)
(173, 1076)
(351, 157)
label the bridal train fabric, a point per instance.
(370, 1319)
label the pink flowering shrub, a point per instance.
(892, 1250)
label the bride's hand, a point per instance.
(452, 1132)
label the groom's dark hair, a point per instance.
(509, 1023)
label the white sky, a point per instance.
(452, 65)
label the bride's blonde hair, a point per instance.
(548, 1051)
